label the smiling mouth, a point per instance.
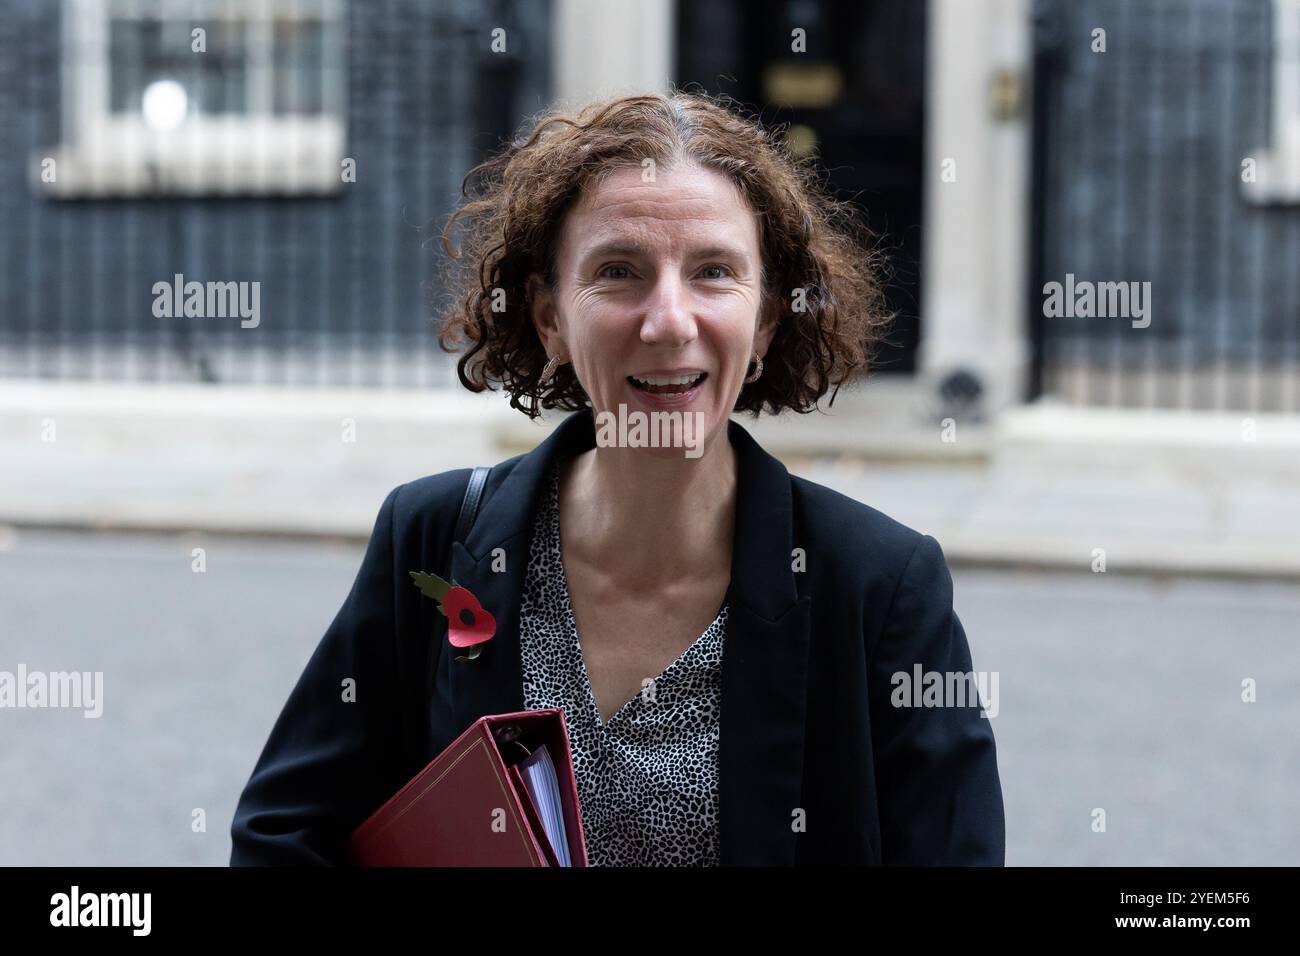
(658, 386)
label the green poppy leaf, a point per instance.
(430, 585)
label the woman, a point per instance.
(726, 639)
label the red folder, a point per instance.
(469, 806)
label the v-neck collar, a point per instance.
(555, 549)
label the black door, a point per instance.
(855, 93)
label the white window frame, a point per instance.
(255, 152)
(1277, 166)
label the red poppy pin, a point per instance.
(468, 624)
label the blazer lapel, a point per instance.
(493, 682)
(765, 654)
(764, 669)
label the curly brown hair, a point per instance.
(810, 243)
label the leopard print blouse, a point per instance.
(647, 780)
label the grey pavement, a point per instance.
(1117, 691)
(1047, 485)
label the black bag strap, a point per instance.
(468, 511)
(469, 507)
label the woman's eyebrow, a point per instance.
(633, 250)
(616, 249)
(721, 252)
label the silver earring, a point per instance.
(757, 371)
(549, 370)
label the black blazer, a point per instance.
(807, 723)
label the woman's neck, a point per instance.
(644, 520)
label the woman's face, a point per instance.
(658, 282)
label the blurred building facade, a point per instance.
(998, 146)
(320, 146)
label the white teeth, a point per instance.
(666, 379)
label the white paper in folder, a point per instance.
(543, 785)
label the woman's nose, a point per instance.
(668, 318)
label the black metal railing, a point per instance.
(1140, 155)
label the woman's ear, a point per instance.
(545, 317)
